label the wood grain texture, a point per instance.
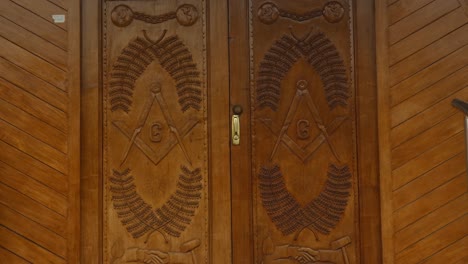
(435, 242)
(243, 247)
(91, 131)
(426, 69)
(10, 257)
(26, 249)
(44, 9)
(384, 130)
(420, 18)
(368, 111)
(40, 138)
(34, 23)
(427, 35)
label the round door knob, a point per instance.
(237, 109)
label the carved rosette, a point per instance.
(268, 13)
(333, 11)
(122, 16)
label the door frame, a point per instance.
(237, 32)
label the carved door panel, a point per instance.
(155, 150)
(174, 189)
(303, 132)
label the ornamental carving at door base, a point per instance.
(321, 214)
(172, 55)
(319, 52)
(123, 15)
(156, 255)
(336, 254)
(171, 219)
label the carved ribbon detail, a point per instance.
(269, 12)
(123, 15)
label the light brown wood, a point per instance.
(31, 104)
(26, 249)
(241, 171)
(428, 160)
(33, 231)
(420, 18)
(431, 111)
(384, 128)
(33, 43)
(429, 55)
(368, 142)
(11, 257)
(437, 134)
(430, 223)
(427, 35)
(219, 133)
(178, 163)
(273, 109)
(403, 8)
(40, 138)
(27, 19)
(429, 181)
(452, 253)
(91, 131)
(429, 202)
(437, 241)
(33, 189)
(429, 76)
(45, 10)
(34, 85)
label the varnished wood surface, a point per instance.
(426, 68)
(211, 229)
(91, 135)
(40, 138)
(367, 114)
(241, 171)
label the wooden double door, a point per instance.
(229, 132)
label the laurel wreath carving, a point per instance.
(319, 52)
(322, 214)
(171, 219)
(172, 55)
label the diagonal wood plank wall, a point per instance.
(39, 132)
(424, 45)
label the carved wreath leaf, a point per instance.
(171, 219)
(322, 214)
(319, 52)
(173, 56)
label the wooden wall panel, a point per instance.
(39, 132)
(424, 189)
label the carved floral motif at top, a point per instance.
(123, 15)
(269, 12)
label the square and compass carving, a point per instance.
(303, 131)
(155, 132)
(155, 94)
(303, 127)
